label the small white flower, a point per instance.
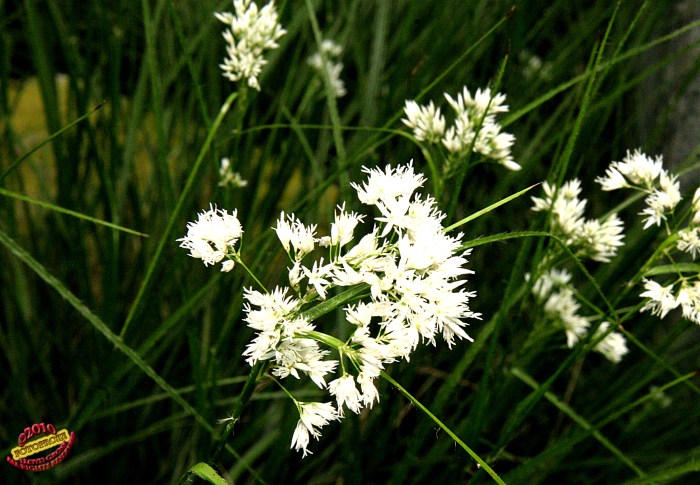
(292, 233)
(689, 300)
(299, 354)
(316, 277)
(640, 169)
(369, 390)
(345, 392)
(212, 237)
(689, 241)
(312, 416)
(660, 298)
(482, 104)
(330, 50)
(227, 177)
(613, 346)
(343, 228)
(602, 240)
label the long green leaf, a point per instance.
(69, 212)
(456, 438)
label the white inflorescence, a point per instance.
(213, 236)
(326, 59)
(592, 238)
(413, 273)
(475, 127)
(251, 32)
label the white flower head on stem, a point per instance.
(293, 234)
(251, 32)
(345, 392)
(613, 346)
(660, 299)
(213, 236)
(689, 300)
(312, 417)
(427, 122)
(330, 51)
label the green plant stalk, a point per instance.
(243, 399)
(563, 407)
(114, 339)
(456, 438)
(58, 133)
(332, 104)
(69, 212)
(165, 238)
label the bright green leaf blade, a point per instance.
(206, 472)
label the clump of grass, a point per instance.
(109, 330)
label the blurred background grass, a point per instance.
(152, 68)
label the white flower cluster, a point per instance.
(331, 51)
(592, 238)
(662, 299)
(251, 32)
(213, 236)
(229, 178)
(639, 171)
(475, 127)
(553, 291)
(413, 273)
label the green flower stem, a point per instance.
(239, 260)
(243, 399)
(324, 338)
(338, 344)
(456, 438)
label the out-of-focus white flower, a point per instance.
(251, 32)
(613, 346)
(689, 300)
(689, 240)
(330, 51)
(227, 177)
(213, 236)
(534, 66)
(549, 282)
(562, 308)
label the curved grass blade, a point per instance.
(56, 208)
(456, 438)
(165, 238)
(488, 209)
